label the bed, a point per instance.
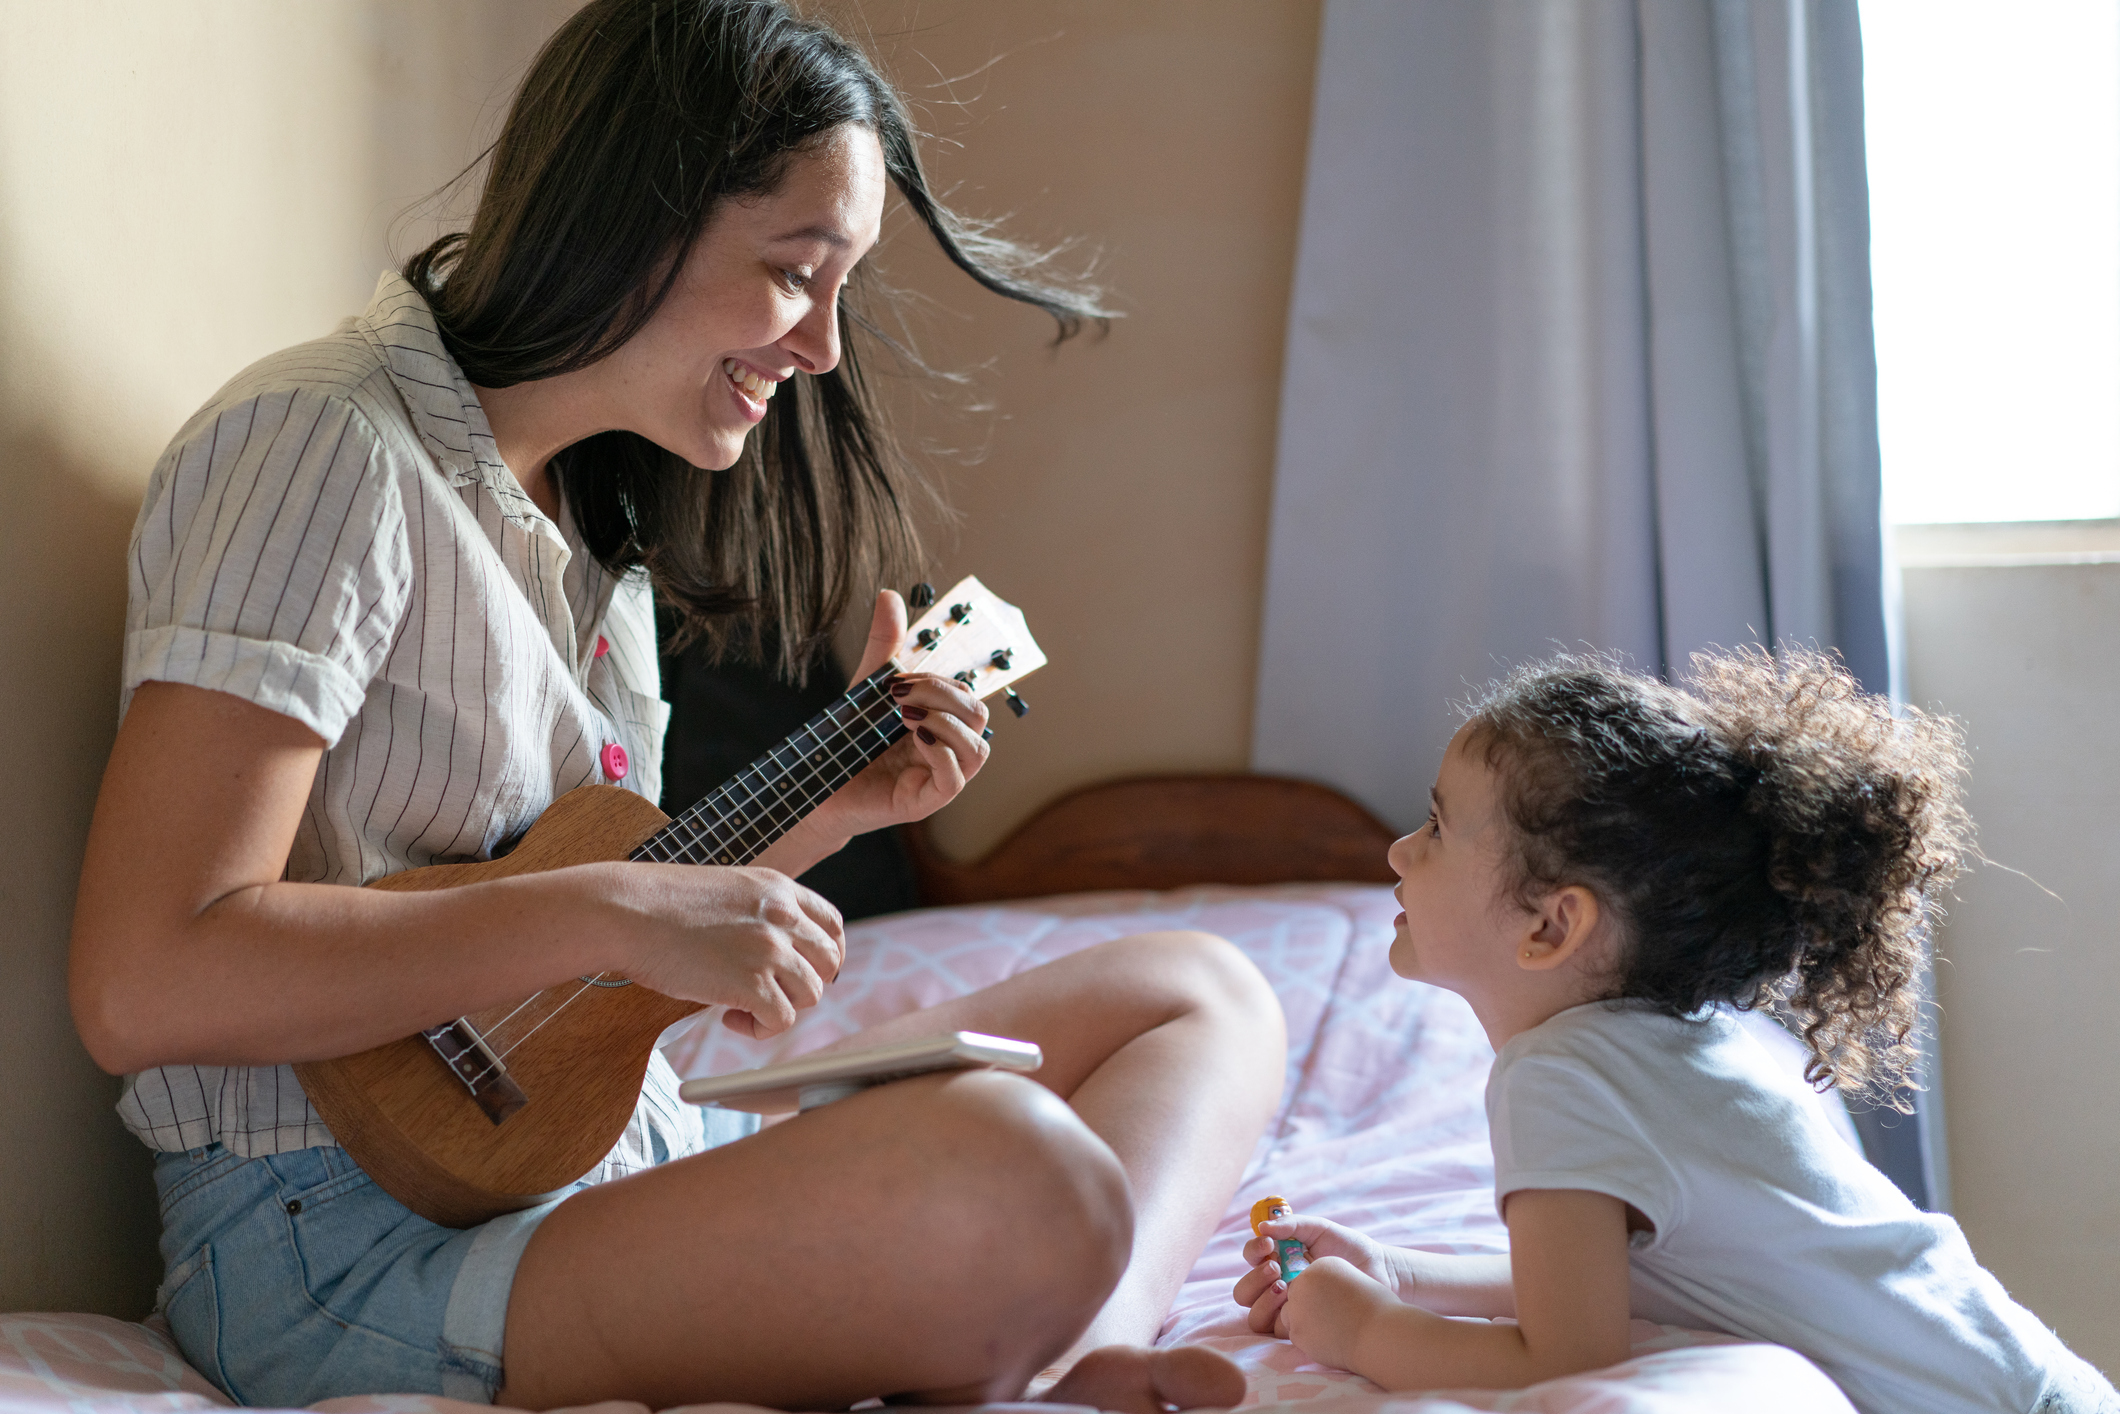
(1291, 873)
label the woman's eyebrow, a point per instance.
(836, 239)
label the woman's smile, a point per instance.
(752, 389)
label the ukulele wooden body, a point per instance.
(414, 1126)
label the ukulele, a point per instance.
(497, 1111)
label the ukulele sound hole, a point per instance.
(602, 981)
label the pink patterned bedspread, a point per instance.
(1382, 1126)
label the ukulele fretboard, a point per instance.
(742, 818)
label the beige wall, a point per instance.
(2030, 976)
(187, 186)
(183, 188)
(1122, 501)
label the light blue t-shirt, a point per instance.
(1767, 1225)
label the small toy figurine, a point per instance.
(1288, 1253)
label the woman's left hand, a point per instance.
(924, 770)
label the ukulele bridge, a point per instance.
(472, 1061)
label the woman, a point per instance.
(390, 598)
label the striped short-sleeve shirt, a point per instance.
(335, 537)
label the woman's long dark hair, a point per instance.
(635, 120)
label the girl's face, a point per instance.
(1458, 931)
(756, 302)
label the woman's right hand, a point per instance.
(752, 940)
(1264, 1292)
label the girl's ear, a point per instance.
(1566, 922)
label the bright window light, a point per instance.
(1994, 153)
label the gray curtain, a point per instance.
(1579, 353)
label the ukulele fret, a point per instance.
(743, 817)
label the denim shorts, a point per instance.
(293, 1278)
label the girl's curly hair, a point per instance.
(1767, 835)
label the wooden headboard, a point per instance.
(1165, 832)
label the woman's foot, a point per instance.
(1133, 1379)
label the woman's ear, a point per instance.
(1566, 923)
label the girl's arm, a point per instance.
(1447, 1284)
(1568, 1259)
(1453, 1285)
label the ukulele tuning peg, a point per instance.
(1001, 658)
(1015, 703)
(930, 637)
(960, 613)
(964, 677)
(921, 596)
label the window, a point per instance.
(1994, 159)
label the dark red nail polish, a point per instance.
(925, 735)
(913, 714)
(900, 688)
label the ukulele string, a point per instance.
(707, 816)
(835, 757)
(772, 799)
(500, 1056)
(705, 832)
(838, 760)
(490, 1037)
(475, 1079)
(840, 766)
(845, 761)
(711, 832)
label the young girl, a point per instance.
(1610, 865)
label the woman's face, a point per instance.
(756, 302)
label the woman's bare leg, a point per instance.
(1172, 1048)
(940, 1238)
(947, 1236)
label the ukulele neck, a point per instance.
(742, 818)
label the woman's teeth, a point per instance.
(759, 388)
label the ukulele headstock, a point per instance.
(973, 636)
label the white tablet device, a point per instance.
(833, 1075)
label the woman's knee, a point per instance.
(1205, 973)
(1031, 1189)
(1056, 1166)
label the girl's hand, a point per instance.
(750, 939)
(924, 770)
(1330, 1307)
(1262, 1288)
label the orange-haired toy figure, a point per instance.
(1289, 1254)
